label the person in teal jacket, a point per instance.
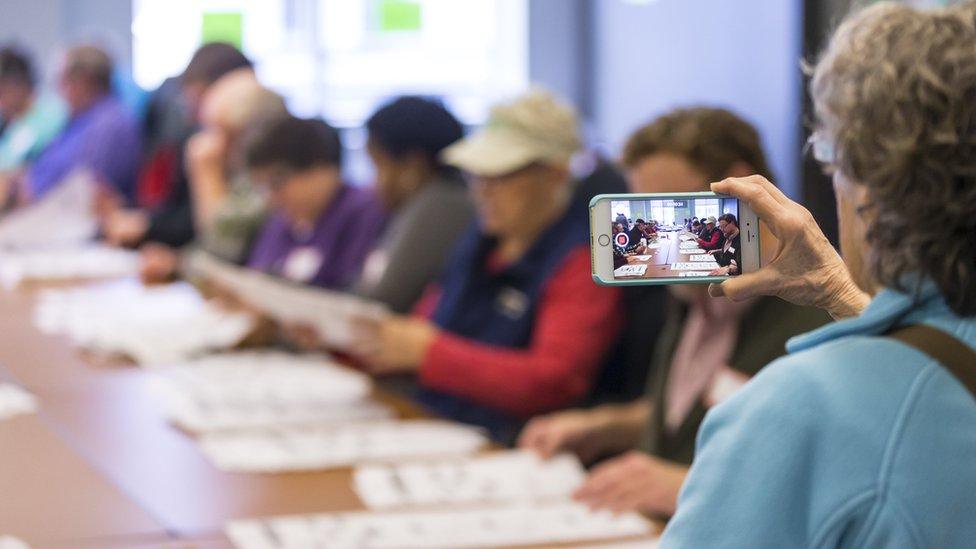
(855, 439)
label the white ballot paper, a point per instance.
(688, 244)
(150, 324)
(690, 274)
(507, 476)
(702, 257)
(694, 266)
(654, 245)
(692, 251)
(15, 401)
(493, 526)
(63, 218)
(88, 261)
(331, 314)
(10, 542)
(630, 270)
(686, 236)
(330, 446)
(263, 389)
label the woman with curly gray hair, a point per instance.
(865, 434)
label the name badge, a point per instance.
(725, 383)
(302, 264)
(731, 249)
(512, 303)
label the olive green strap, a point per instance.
(954, 355)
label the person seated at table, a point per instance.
(163, 212)
(706, 350)
(637, 231)
(863, 436)
(427, 199)
(711, 237)
(101, 136)
(619, 252)
(650, 230)
(729, 256)
(515, 326)
(320, 228)
(28, 121)
(696, 228)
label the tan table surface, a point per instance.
(99, 461)
(659, 263)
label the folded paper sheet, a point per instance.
(492, 526)
(331, 314)
(329, 446)
(63, 218)
(150, 324)
(499, 477)
(264, 389)
(10, 542)
(52, 264)
(15, 401)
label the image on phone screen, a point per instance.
(675, 238)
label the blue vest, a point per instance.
(497, 308)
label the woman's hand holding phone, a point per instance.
(805, 269)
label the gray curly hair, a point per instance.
(895, 94)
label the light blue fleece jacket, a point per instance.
(851, 440)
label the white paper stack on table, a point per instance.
(694, 266)
(63, 218)
(247, 390)
(308, 448)
(630, 270)
(150, 324)
(51, 264)
(497, 477)
(690, 251)
(15, 401)
(496, 526)
(702, 257)
(331, 314)
(688, 244)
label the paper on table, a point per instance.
(702, 257)
(641, 257)
(504, 477)
(686, 236)
(329, 446)
(331, 314)
(692, 251)
(15, 401)
(63, 218)
(688, 244)
(694, 266)
(264, 389)
(654, 245)
(691, 274)
(491, 526)
(10, 542)
(150, 324)
(630, 270)
(89, 261)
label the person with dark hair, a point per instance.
(710, 238)
(696, 228)
(321, 229)
(427, 199)
(101, 136)
(164, 211)
(28, 122)
(729, 256)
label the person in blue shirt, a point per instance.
(856, 439)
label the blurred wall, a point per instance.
(653, 55)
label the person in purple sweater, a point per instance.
(321, 229)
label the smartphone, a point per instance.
(651, 239)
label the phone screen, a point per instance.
(661, 238)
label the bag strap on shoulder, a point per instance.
(954, 355)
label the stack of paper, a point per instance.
(500, 477)
(331, 314)
(63, 218)
(688, 244)
(329, 446)
(702, 257)
(264, 389)
(155, 324)
(694, 266)
(692, 251)
(691, 274)
(10, 542)
(630, 270)
(497, 526)
(15, 401)
(90, 261)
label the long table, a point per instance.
(99, 466)
(659, 259)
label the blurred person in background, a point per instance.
(101, 136)
(515, 325)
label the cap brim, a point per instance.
(491, 153)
